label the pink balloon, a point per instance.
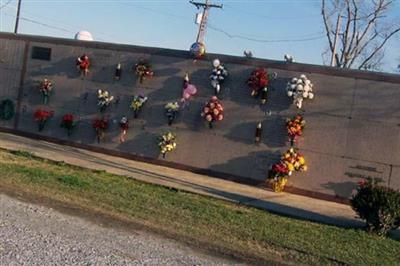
(186, 95)
(191, 89)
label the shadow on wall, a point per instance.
(274, 132)
(255, 165)
(344, 189)
(62, 67)
(277, 98)
(171, 90)
(144, 144)
(273, 135)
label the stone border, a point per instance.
(256, 62)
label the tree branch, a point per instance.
(327, 28)
(378, 48)
(345, 41)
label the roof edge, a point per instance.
(255, 62)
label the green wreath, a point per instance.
(7, 109)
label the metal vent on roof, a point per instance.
(41, 53)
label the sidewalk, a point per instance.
(282, 203)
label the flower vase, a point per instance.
(292, 141)
(163, 155)
(45, 98)
(279, 185)
(135, 113)
(41, 124)
(99, 134)
(210, 124)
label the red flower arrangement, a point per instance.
(100, 125)
(83, 64)
(258, 83)
(41, 116)
(295, 127)
(68, 122)
(213, 111)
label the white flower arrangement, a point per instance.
(299, 89)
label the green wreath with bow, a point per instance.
(7, 109)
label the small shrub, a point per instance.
(378, 205)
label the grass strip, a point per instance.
(223, 227)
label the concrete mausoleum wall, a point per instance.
(352, 131)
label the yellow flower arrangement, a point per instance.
(167, 143)
(291, 161)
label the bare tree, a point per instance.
(359, 29)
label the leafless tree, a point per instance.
(361, 30)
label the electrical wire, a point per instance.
(232, 36)
(6, 4)
(39, 23)
(71, 26)
(241, 11)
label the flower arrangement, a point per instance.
(167, 143)
(295, 127)
(100, 125)
(300, 89)
(42, 116)
(83, 64)
(171, 111)
(124, 125)
(68, 122)
(258, 81)
(213, 111)
(137, 104)
(143, 69)
(45, 88)
(294, 161)
(189, 89)
(104, 99)
(290, 161)
(218, 75)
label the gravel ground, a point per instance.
(36, 235)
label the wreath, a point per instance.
(7, 109)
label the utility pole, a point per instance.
(335, 40)
(17, 18)
(203, 24)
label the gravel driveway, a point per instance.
(36, 235)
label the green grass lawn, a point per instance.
(215, 225)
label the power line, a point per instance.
(76, 28)
(40, 23)
(6, 4)
(232, 36)
(241, 10)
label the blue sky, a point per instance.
(171, 24)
